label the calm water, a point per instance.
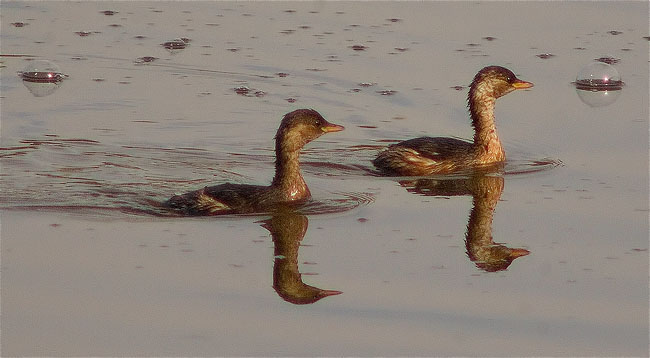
(91, 266)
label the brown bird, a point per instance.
(441, 155)
(288, 186)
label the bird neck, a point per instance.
(288, 178)
(486, 138)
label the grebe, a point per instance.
(288, 187)
(441, 155)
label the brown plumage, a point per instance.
(288, 186)
(440, 155)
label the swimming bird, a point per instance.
(442, 155)
(288, 186)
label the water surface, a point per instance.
(548, 258)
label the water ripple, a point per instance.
(90, 178)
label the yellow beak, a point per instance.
(332, 128)
(519, 84)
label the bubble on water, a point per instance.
(599, 76)
(42, 77)
(42, 71)
(598, 84)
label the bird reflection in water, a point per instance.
(288, 229)
(485, 191)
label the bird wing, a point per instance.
(240, 197)
(436, 148)
(218, 199)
